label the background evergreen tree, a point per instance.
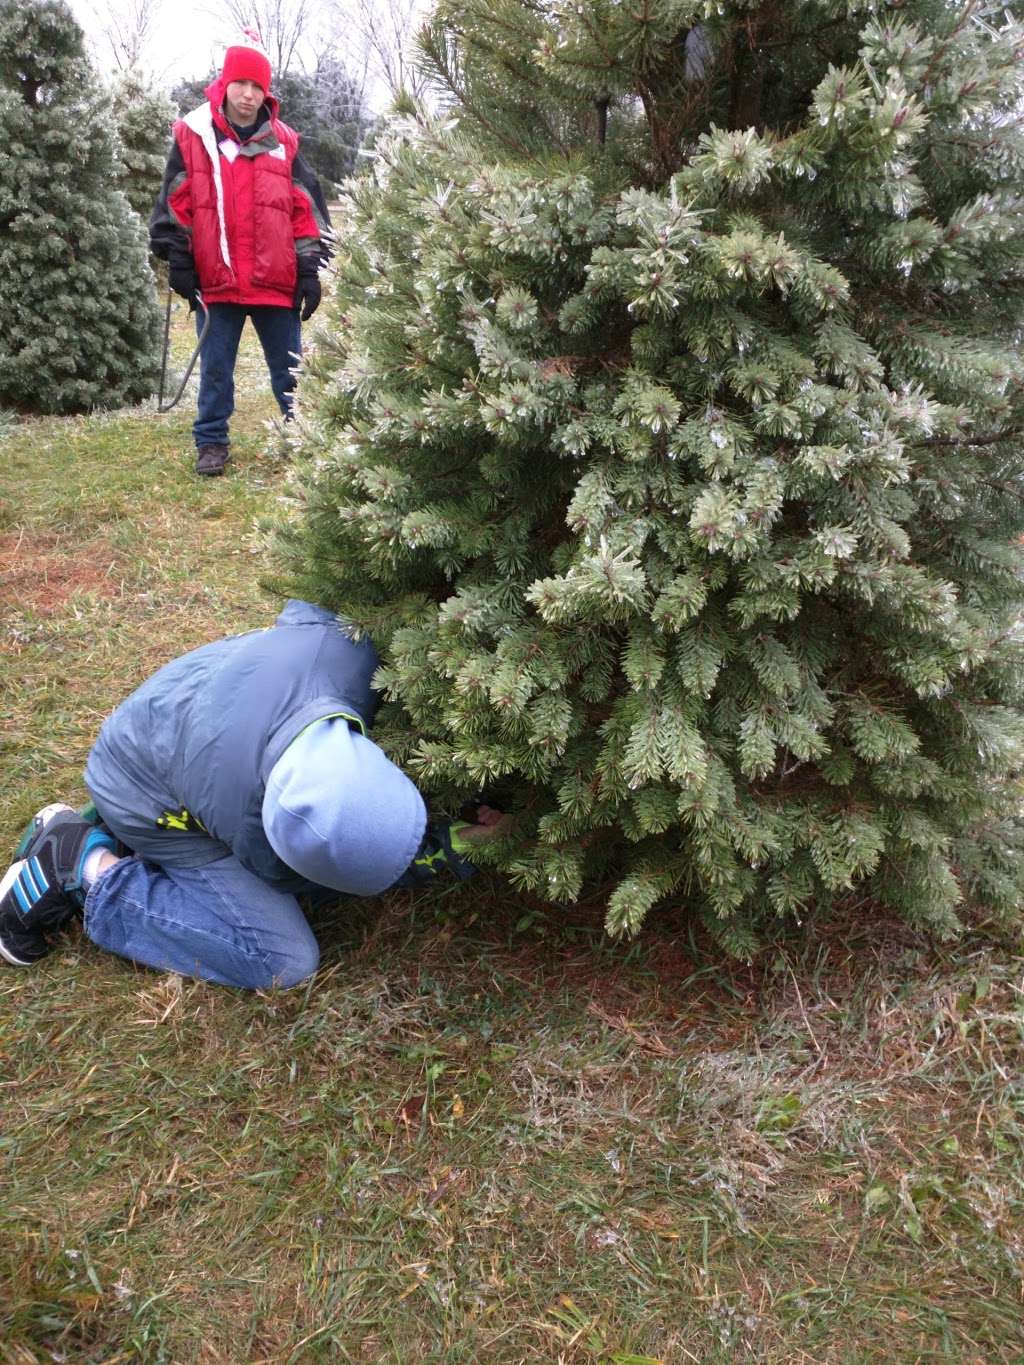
(78, 314)
(667, 437)
(143, 117)
(325, 107)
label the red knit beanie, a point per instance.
(247, 62)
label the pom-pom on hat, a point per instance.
(246, 60)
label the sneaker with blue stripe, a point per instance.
(43, 886)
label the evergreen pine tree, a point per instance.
(667, 437)
(78, 314)
(143, 117)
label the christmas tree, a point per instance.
(666, 435)
(143, 117)
(78, 314)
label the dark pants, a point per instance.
(280, 334)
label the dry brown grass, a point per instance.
(483, 1133)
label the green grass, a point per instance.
(483, 1133)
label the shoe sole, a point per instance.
(10, 877)
(13, 961)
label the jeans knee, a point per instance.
(291, 969)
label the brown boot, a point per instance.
(211, 459)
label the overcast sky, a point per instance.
(187, 40)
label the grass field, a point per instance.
(482, 1133)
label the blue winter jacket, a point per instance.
(181, 771)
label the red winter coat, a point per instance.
(246, 210)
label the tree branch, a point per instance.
(991, 438)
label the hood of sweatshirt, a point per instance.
(338, 812)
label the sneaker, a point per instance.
(38, 820)
(88, 813)
(42, 888)
(211, 459)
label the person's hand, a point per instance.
(182, 278)
(450, 847)
(490, 824)
(307, 294)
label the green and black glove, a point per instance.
(449, 848)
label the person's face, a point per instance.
(242, 100)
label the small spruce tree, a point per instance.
(78, 315)
(143, 117)
(667, 437)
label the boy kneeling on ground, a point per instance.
(236, 777)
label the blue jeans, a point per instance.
(280, 334)
(218, 922)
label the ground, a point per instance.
(483, 1133)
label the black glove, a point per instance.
(307, 291)
(182, 278)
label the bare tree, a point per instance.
(292, 31)
(127, 27)
(369, 36)
(386, 29)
